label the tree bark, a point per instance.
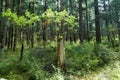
(22, 46)
(87, 25)
(97, 26)
(117, 19)
(81, 33)
(5, 27)
(44, 27)
(1, 28)
(106, 22)
(61, 53)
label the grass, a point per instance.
(108, 72)
(37, 64)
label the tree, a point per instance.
(1, 9)
(87, 25)
(7, 2)
(97, 26)
(117, 18)
(106, 20)
(61, 18)
(81, 33)
(20, 22)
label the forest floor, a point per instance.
(109, 72)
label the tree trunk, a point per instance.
(87, 25)
(44, 27)
(106, 22)
(81, 33)
(22, 46)
(32, 36)
(97, 26)
(117, 19)
(5, 27)
(15, 39)
(1, 28)
(61, 53)
(9, 37)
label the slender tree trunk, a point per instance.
(22, 46)
(33, 9)
(106, 22)
(44, 27)
(81, 33)
(5, 27)
(58, 5)
(32, 37)
(1, 28)
(15, 32)
(9, 37)
(97, 26)
(12, 28)
(11, 41)
(110, 17)
(117, 19)
(87, 25)
(19, 7)
(15, 39)
(28, 37)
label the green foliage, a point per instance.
(7, 63)
(87, 57)
(113, 71)
(104, 55)
(57, 17)
(6, 67)
(17, 20)
(12, 17)
(71, 20)
(61, 16)
(13, 76)
(35, 70)
(31, 18)
(82, 57)
(111, 28)
(48, 16)
(58, 75)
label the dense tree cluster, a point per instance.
(65, 20)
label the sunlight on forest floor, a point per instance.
(111, 72)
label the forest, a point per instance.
(59, 39)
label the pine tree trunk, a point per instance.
(97, 26)
(5, 27)
(106, 22)
(81, 33)
(87, 25)
(117, 18)
(1, 28)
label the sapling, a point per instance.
(62, 19)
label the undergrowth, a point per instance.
(41, 64)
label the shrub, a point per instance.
(58, 75)
(103, 54)
(81, 57)
(6, 66)
(35, 72)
